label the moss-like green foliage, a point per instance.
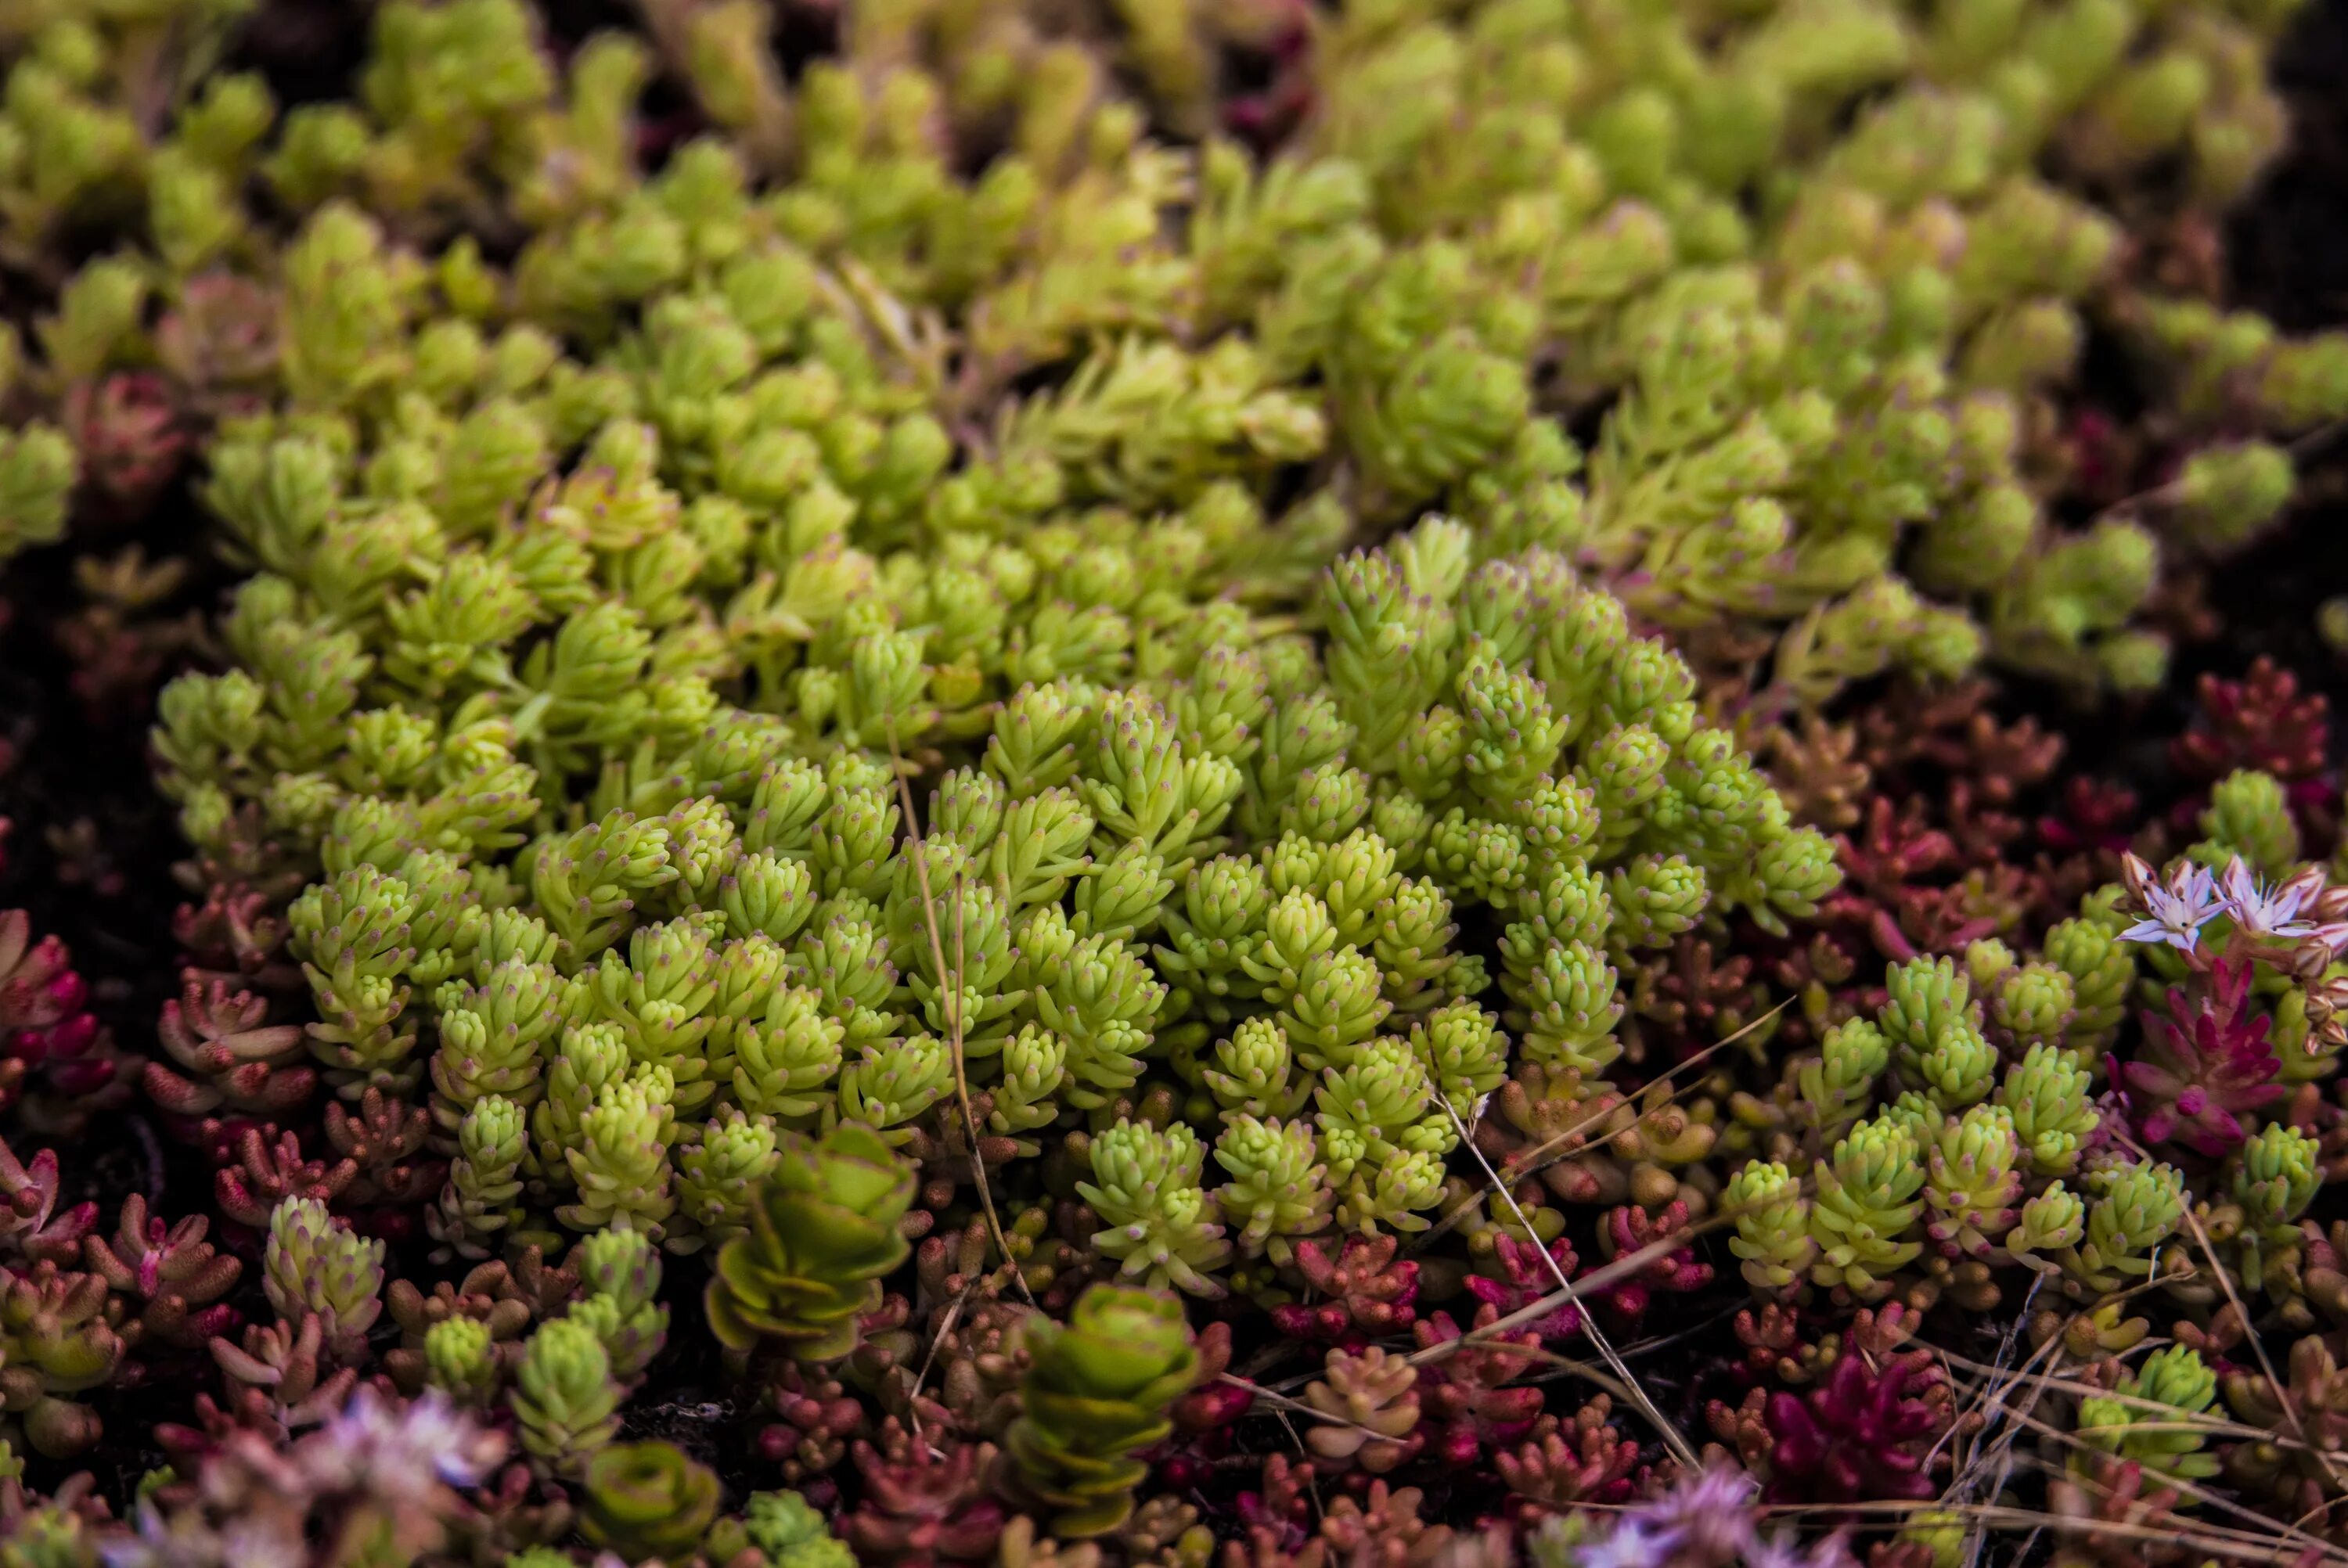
(745, 940)
(787, 1529)
(601, 601)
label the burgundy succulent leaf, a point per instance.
(1370, 1292)
(2260, 721)
(1466, 1410)
(2093, 442)
(924, 1504)
(1630, 1229)
(1206, 1420)
(1895, 848)
(383, 1139)
(172, 1274)
(221, 335)
(268, 1172)
(818, 1417)
(2204, 1065)
(1281, 40)
(1860, 1436)
(2096, 815)
(1214, 1403)
(1568, 1462)
(30, 1225)
(45, 1027)
(1525, 1277)
(130, 434)
(238, 933)
(229, 1055)
(1282, 1506)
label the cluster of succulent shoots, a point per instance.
(1832, 347)
(1108, 785)
(1999, 1151)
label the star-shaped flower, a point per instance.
(2261, 910)
(2175, 912)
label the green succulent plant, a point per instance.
(823, 1232)
(646, 1500)
(1096, 1391)
(565, 1404)
(1294, 573)
(2150, 1415)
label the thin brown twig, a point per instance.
(1663, 1077)
(929, 1358)
(1444, 1226)
(1998, 1459)
(1623, 1267)
(2186, 1487)
(949, 982)
(1681, 1448)
(2179, 1420)
(1995, 1382)
(2258, 1347)
(2240, 1545)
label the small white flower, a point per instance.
(2176, 912)
(1780, 1550)
(1632, 1543)
(402, 1450)
(1713, 1513)
(2261, 910)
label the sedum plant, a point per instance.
(1057, 721)
(824, 1230)
(679, 986)
(1096, 1390)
